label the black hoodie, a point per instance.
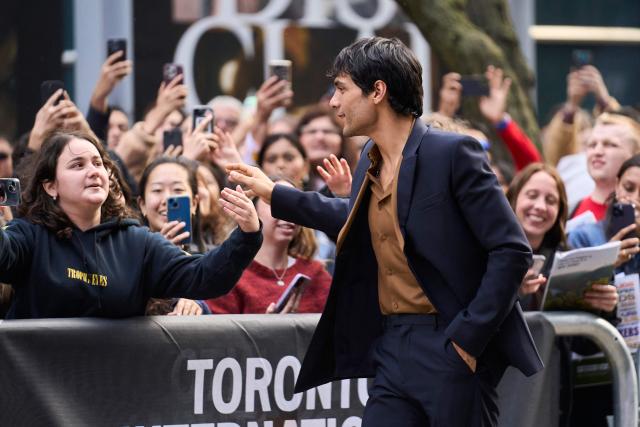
(111, 270)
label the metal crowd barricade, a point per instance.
(607, 337)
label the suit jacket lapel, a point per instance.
(359, 177)
(407, 172)
(405, 180)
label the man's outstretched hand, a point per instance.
(252, 179)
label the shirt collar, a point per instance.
(375, 157)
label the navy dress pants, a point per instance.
(422, 381)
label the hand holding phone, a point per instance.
(536, 267)
(200, 113)
(533, 280)
(296, 285)
(116, 45)
(281, 68)
(622, 215)
(170, 71)
(179, 209)
(172, 138)
(48, 88)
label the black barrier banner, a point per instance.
(210, 371)
(207, 371)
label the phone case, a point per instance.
(281, 68)
(48, 88)
(179, 209)
(538, 263)
(114, 45)
(296, 282)
(474, 86)
(199, 114)
(172, 137)
(622, 215)
(581, 57)
(170, 71)
(9, 192)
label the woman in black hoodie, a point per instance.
(75, 251)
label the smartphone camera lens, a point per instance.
(12, 188)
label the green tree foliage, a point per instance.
(466, 37)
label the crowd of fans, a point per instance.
(589, 160)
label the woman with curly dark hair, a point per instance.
(75, 251)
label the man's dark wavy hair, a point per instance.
(377, 58)
(38, 207)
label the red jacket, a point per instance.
(522, 150)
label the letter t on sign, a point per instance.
(199, 365)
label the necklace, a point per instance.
(279, 280)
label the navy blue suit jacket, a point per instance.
(462, 242)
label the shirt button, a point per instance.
(389, 272)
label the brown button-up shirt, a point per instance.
(398, 289)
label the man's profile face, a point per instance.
(353, 107)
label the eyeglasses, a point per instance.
(323, 131)
(4, 156)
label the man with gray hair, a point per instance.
(227, 112)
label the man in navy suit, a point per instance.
(429, 256)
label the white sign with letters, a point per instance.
(316, 15)
(629, 309)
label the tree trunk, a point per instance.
(495, 20)
(463, 47)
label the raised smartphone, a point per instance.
(179, 209)
(281, 68)
(581, 57)
(115, 45)
(200, 113)
(474, 86)
(622, 215)
(298, 281)
(172, 137)
(9, 192)
(170, 71)
(48, 88)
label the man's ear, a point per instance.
(379, 91)
(51, 189)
